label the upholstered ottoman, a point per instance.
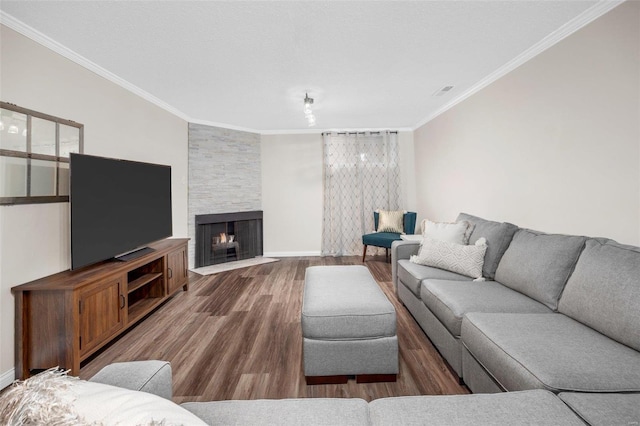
(348, 327)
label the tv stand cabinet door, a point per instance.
(101, 310)
(177, 270)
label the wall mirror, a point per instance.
(34, 155)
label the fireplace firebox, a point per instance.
(225, 237)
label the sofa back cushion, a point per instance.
(498, 236)
(538, 265)
(604, 291)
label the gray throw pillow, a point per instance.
(498, 236)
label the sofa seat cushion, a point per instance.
(550, 351)
(449, 301)
(380, 239)
(344, 302)
(539, 264)
(534, 407)
(605, 408)
(303, 412)
(411, 275)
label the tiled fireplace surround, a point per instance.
(224, 175)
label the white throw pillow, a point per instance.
(456, 232)
(52, 397)
(44, 399)
(109, 405)
(458, 258)
(391, 221)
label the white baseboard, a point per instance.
(291, 254)
(7, 378)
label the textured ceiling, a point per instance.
(248, 64)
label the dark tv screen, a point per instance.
(116, 206)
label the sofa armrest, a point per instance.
(146, 376)
(401, 250)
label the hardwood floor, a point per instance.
(237, 335)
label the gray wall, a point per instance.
(224, 174)
(35, 238)
(553, 145)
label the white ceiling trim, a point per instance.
(566, 30)
(223, 125)
(51, 44)
(309, 131)
(583, 19)
(329, 130)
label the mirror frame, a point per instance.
(29, 156)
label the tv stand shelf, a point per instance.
(64, 318)
(142, 281)
(142, 307)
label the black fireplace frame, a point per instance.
(203, 243)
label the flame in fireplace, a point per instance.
(223, 238)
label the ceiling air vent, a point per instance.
(443, 91)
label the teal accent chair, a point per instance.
(384, 239)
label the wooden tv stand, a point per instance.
(64, 318)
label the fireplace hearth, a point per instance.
(225, 237)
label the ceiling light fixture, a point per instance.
(308, 113)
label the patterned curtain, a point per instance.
(361, 175)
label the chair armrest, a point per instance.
(146, 376)
(401, 250)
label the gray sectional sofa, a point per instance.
(559, 312)
(531, 407)
(139, 393)
(557, 325)
(514, 408)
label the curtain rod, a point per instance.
(357, 133)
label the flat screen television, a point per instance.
(117, 206)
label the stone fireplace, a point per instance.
(224, 176)
(225, 237)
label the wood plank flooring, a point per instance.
(237, 335)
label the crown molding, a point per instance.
(569, 28)
(38, 37)
(312, 131)
(561, 33)
(223, 125)
(49, 43)
(318, 131)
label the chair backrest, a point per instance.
(409, 221)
